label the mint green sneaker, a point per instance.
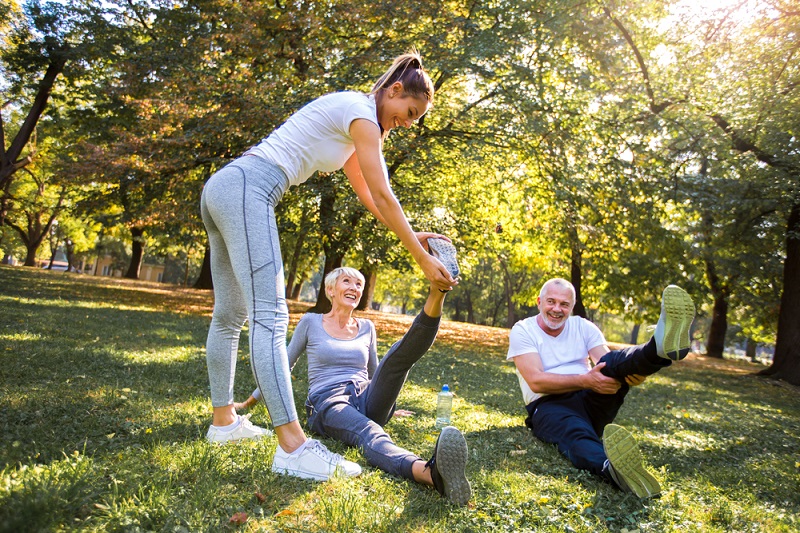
(625, 463)
(672, 330)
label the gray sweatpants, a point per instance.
(237, 206)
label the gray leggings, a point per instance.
(237, 207)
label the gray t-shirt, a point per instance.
(330, 360)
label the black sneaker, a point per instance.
(446, 253)
(448, 466)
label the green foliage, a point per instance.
(580, 128)
(103, 407)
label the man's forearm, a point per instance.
(550, 383)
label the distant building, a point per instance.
(105, 266)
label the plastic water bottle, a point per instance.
(444, 406)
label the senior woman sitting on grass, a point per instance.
(351, 397)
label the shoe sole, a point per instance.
(238, 439)
(451, 462)
(626, 459)
(302, 474)
(338, 472)
(446, 253)
(679, 311)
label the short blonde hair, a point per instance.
(333, 277)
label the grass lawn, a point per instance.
(104, 407)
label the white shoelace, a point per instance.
(317, 447)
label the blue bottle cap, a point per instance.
(445, 388)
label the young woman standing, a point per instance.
(340, 130)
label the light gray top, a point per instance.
(330, 360)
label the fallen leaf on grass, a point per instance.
(285, 512)
(238, 518)
(260, 497)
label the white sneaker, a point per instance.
(245, 430)
(446, 253)
(314, 462)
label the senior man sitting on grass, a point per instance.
(571, 403)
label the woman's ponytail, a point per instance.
(407, 69)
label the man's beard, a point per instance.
(553, 325)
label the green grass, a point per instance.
(104, 405)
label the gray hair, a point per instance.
(558, 282)
(333, 277)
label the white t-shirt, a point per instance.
(317, 137)
(567, 353)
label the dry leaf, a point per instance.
(238, 518)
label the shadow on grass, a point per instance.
(70, 379)
(117, 373)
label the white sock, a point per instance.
(229, 427)
(299, 449)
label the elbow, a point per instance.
(382, 203)
(384, 199)
(536, 386)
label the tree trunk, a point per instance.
(786, 363)
(30, 254)
(750, 349)
(635, 334)
(456, 303)
(204, 281)
(470, 308)
(719, 326)
(370, 278)
(294, 259)
(575, 276)
(137, 253)
(508, 294)
(70, 247)
(9, 162)
(323, 305)
(298, 286)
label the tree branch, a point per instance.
(743, 144)
(655, 108)
(10, 161)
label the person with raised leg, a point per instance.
(351, 396)
(574, 386)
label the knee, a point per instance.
(371, 436)
(228, 319)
